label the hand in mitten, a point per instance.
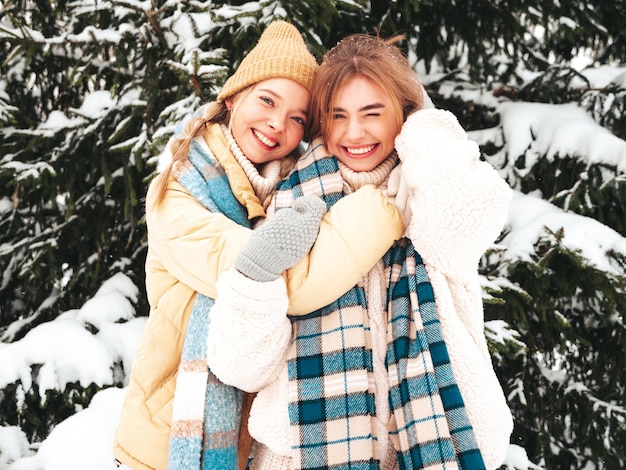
(432, 144)
(458, 203)
(282, 241)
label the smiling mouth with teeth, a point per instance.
(359, 150)
(264, 140)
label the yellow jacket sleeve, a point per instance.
(353, 236)
(189, 244)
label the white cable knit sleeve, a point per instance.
(458, 203)
(249, 331)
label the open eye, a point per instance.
(299, 120)
(267, 100)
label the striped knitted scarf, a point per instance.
(206, 412)
(331, 379)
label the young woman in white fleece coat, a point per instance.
(454, 207)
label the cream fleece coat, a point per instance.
(189, 248)
(455, 206)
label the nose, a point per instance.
(276, 122)
(355, 128)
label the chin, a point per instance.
(363, 165)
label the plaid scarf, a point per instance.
(206, 412)
(331, 377)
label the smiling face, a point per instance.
(364, 125)
(268, 120)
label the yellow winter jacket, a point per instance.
(189, 247)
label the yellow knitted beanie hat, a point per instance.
(280, 53)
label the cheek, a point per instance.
(296, 134)
(293, 139)
(390, 133)
(238, 131)
(235, 120)
(332, 141)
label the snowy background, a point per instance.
(69, 352)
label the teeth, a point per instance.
(264, 139)
(359, 150)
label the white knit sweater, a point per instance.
(455, 207)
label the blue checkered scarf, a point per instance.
(332, 401)
(206, 412)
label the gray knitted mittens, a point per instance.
(282, 241)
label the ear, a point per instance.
(229, 103)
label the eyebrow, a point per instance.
(279, 96)
(369, 107)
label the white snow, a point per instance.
(84, 345)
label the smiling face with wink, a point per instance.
(364, 125)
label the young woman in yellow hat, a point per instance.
(200, 213)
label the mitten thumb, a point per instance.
(310, 207)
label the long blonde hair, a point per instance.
(373, 57)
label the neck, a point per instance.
(353, 180)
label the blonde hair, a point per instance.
(370, 56)
(179, 146)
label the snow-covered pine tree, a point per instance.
(566, 367)
(90, 92)
(86, 87)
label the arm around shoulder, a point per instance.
(353, 236)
